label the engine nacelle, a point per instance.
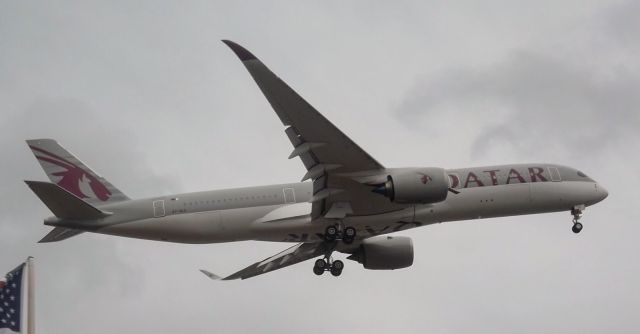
(385, 253)
(416, 186)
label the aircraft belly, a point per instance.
(302, 229)
(508, 200)
(481, 202)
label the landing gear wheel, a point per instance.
(348, 235)
(576, 212)
(330, 233)
(318, 271)
(350, 232)
(321, 263)
(336, 270)
(577, 227)
(320, 266)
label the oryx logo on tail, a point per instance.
(73, 178)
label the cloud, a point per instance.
(81, 264)
(531, 102)
(148, 96)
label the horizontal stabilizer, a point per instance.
(59, 234)
(64, 204)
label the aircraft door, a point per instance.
(158, 208)
(289, 195)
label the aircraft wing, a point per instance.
(330, 157)
(296, 254)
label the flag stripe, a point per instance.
(11, 303)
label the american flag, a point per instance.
(10, 301)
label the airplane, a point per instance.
(347, 201)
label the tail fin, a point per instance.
(64, 204)
(68, 172)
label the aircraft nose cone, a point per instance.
(602, 191)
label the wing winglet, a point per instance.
(241, 52)
(211, 275)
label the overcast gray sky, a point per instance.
(146, 94)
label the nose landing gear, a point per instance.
(577, 227)
(576, 212)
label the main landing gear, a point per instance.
(576, 212)
(334, 232)
(322, 265)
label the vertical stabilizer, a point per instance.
(68, 172)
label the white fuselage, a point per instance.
(281, 212)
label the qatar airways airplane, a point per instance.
(350, 202)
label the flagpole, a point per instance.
(31, 315)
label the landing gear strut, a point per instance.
(576, 212)
(332, 234)
(326, 264)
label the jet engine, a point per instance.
(416, 186)
(385, 253)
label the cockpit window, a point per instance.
(582, 174)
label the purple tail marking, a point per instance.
(73, 175)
